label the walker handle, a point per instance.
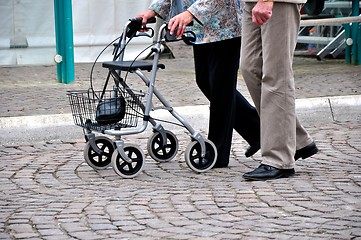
(135, 25)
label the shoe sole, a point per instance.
(284, 175)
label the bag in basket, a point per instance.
(110, 110)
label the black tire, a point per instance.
(194, 159)
(160, 152)
(125, 169)
(102, 160)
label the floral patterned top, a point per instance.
(215, 20)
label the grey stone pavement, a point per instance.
(49, 192)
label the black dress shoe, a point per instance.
(307, 151)
(266, 172)
(252, 149)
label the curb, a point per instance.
(198, 114)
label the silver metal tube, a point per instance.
(330, 21)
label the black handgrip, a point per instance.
(139, 20)
(187, 37)
(136, 24)
(190, 24)
(152, 20)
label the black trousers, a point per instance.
(216, 68)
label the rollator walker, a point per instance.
(121, 111)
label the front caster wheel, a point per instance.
(125, 169)
(162, 152)
(99, 160)
(195, 161)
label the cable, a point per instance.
(96, 60)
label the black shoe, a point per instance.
(307, 151)
(252, 149)
(265, 172)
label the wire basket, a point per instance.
(85, 105)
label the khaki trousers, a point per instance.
(266, 64)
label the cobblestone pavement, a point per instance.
(49, 192)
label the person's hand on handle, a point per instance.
(146, 15)
(262, 12)
(180, 21)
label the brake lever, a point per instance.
(147, 32)
(189, 37)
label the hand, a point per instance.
(181, 21)
(145, 16)
(262, 12)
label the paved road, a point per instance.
(49, 192)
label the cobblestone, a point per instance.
(52, 193)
